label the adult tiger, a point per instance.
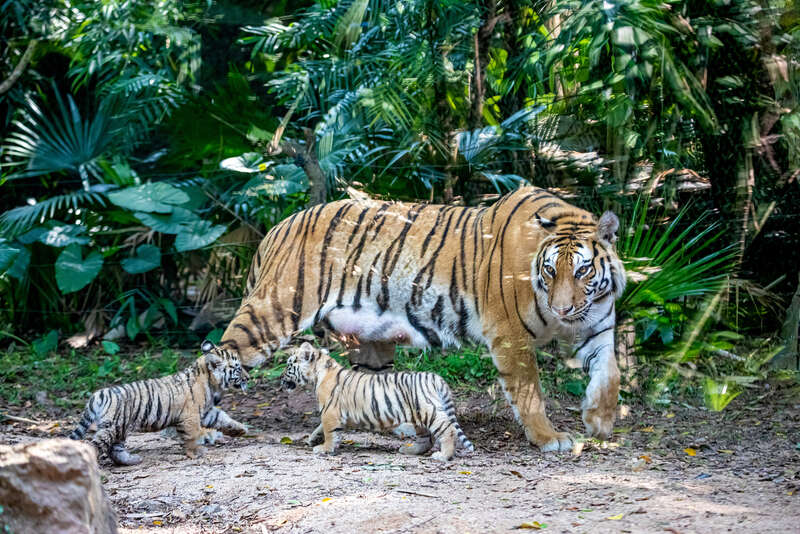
(511, 276)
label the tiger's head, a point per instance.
(224, 368)
(577, 267)
(301, 366)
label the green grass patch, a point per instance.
(468, 367)
(73, 375)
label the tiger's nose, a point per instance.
(563, 312)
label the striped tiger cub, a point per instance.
(184, 400)
(512, 276)
(355, 399)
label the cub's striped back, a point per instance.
(354, 399)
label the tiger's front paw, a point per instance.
(209, 438)
(560, 442)
(313, 440)
(599, 422)
(322, 449)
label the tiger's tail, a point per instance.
(450, 410)
(88, 418)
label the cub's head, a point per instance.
(301, 365)
(577, 267)
(224, 367)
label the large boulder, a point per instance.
(53, 485)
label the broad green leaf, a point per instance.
(110, 347)
(169, 307)
(8, 253)
(132, 327)
(20, 264)
(198, 235)
(73, 272)
(147, 258)
(249, 162)
(151, 197)
(46, 344)
(176, 222)
(61, 235)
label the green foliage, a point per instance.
(73, 376)
(468, 366)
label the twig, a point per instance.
(20, 419)
(417, 493)
(415, 525)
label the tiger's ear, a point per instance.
(207, 346)
(213, 361)
(308, 351)
(607, 227)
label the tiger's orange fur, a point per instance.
(511, 276)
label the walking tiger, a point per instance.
(354, 399)
(185, 400)
(511, 276)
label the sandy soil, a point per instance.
(679, 470)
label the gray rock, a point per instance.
(53, 486)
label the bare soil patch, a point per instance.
(679, 470)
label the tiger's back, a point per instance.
(425, 275)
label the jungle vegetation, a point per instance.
(147, 146)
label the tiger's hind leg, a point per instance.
(421, 445)
(121, 456)
(330, 427)
(445, 433)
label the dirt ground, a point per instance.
(679, 470)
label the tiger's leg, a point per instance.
(216, 418)
(373, 356)
(121, 456)
(514, 358)
(444, 431)
(104, 439)
(422, 443)
(313, 439)
(190, 430)
(330, 428)
(595, 352)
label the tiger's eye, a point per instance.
(550, 271)
(583, 270)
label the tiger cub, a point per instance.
(185, 400)
(354, 399)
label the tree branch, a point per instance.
(20, 68)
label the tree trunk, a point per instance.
(306, 158)
(20, 68)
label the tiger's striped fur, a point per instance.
(511, 276)
(355, 399)
(185, 400)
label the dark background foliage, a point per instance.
(148, 146)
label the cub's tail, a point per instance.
(450, 410)
(87, 419)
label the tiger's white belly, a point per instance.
(368, 324)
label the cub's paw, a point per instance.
(320, 449)
(439, 456)
(236, 430)
(559, 443)
(313, 440)
(209, 438)
(197, 452)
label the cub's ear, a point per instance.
(308, 351)
(213, 361)
(207, 346)
(607, 227)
